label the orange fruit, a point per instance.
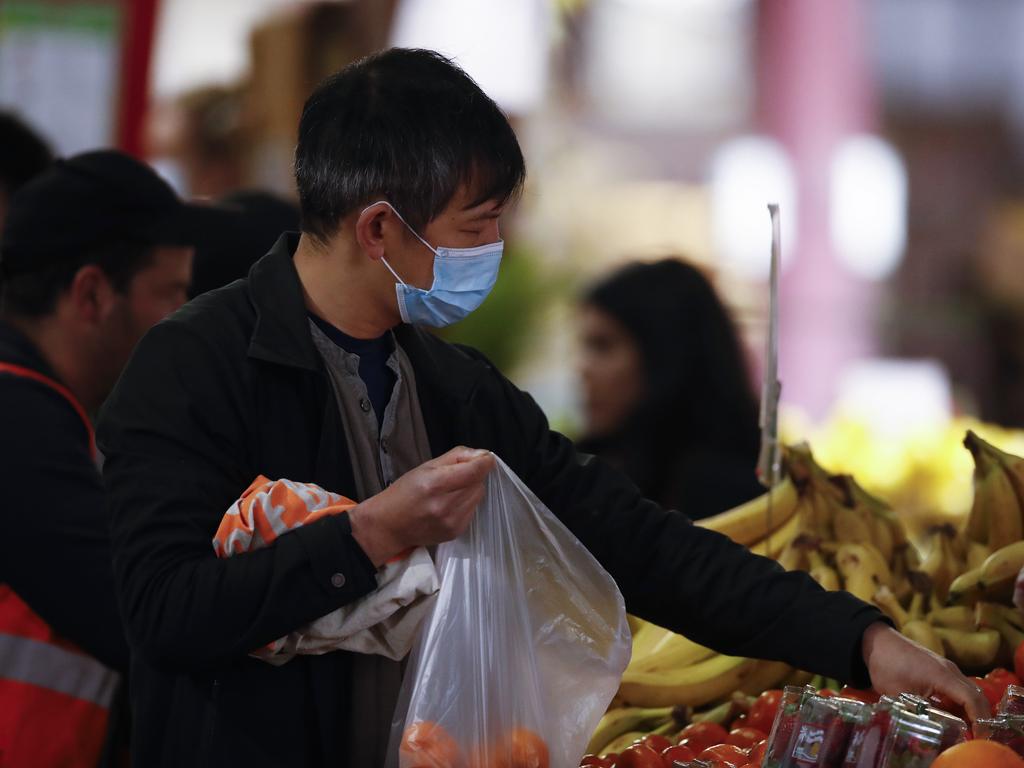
(428, 745)
(974, 754)
(523, 749)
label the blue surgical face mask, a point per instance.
(463, 277)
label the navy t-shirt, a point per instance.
(373, 363)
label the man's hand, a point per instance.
(897, 665)
(433, 503)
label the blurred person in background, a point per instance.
(231, 252)
(666, 392)
(315, 369)
(95, 251)
(23, 155)
(198, 141)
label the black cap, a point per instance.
(96, 196)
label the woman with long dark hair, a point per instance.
(666, 393)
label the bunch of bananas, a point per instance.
(952, 595)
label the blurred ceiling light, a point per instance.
(746, 174)
(669, 64)
(896, 396)
(868, 206)
(502, 44)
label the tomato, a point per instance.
(724, 756)
(700, 736)
(745, 738)
(1018, 661)
(857, 694)
(757, 752)
(593, 761)
(990, 689)
(678, 753)
(639, 756)
(827, 693)
(946, 704)
(1002, 679)
(763, 711)
(657, 742)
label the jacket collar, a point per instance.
(17, 348)
(281, 334)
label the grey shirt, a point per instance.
(379, 457)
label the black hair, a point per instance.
(34, 295)
(698, 400)
(23, 153)
(407, 125)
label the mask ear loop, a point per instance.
(416, 234)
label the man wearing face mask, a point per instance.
(315, 369)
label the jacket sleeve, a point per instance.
(55, 548)
(177, 433)
(691, 580)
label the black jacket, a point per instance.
(55, 545)
(231, 387)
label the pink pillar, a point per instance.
(814, 89)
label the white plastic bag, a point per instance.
(523, 650)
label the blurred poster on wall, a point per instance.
(59, 69)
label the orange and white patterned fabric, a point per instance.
(384, 622)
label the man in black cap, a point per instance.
(23, 155)
(95, 251)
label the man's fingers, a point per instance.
(967, 695)
(457, 455)
(468, 471)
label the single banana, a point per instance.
(1003, 565)
(886, 600)
(766, 675)
(923, 633)
(1005, 620)
(693, 686)
(748, 523)
(646, 639)
(977, 554)
(824, 574)
(674, 652)
(862, 569)
(966, 589)
(973, 650)
(793, 557)
(775, 542)
(882, 535)
(1004, 520)
(635, 623)
(620, 743)
(959, 617)
(940, 563)
(625, 720)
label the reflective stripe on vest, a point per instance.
(41, 664)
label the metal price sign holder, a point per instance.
(769, 463)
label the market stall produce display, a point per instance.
(951, 590)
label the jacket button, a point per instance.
(384, 445)
(365, 405)
(338, 580)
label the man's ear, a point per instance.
(91, 295)
(369, 228)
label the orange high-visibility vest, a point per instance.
(54, 698)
